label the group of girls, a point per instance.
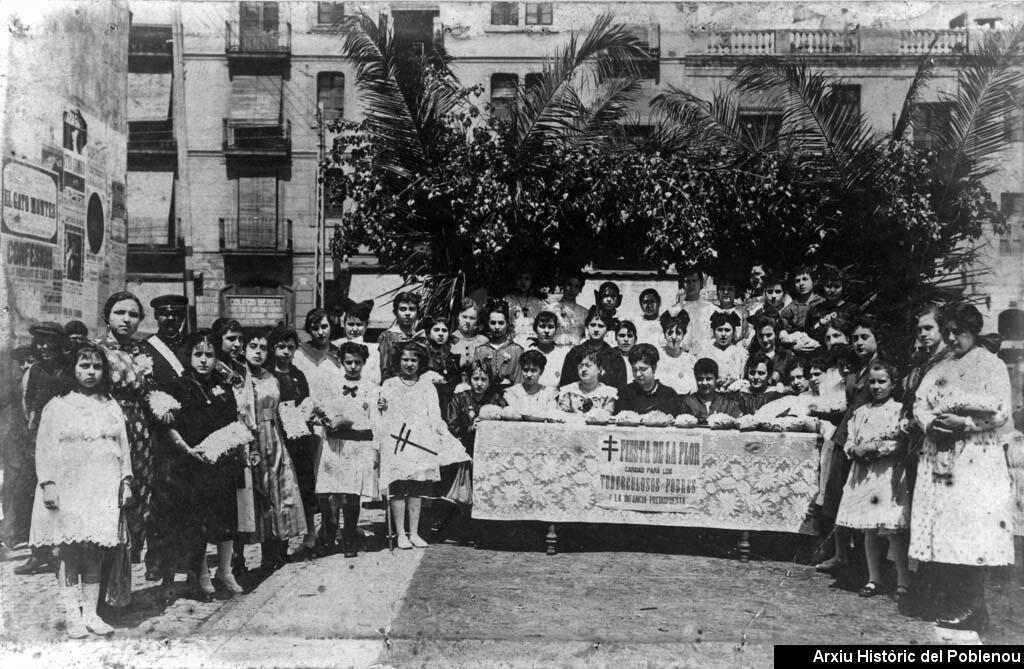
(922, 470)
(262, 429)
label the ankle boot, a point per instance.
(92, 620)
(71, 597)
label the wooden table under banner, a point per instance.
(565, 473)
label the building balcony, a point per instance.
(830, 43)
(255, 235)
(149, 45)
(151, 138)
(252, 139)
(762, 42)
(243, 41)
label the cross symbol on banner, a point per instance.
(610, 447)
(402, 439)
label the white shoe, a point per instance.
(92, 620)
(417, 541)
(403, 541)
(227, 580)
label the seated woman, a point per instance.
(646, 393)
(614, 369)
(588, 393)
(707, 400)
(758, 371)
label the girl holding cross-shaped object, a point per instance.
(414, 442)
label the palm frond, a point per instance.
(986, 80)
(925, 73)
(814, 121)
(548, 112)
(601, 119)
(703, 124)
(406, 97)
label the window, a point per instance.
(257, 211)
(329, 13)
(650, 40)
(330, 92)
(503, 95)
(1013, 123)
(259, 16)
(929, 121)
(538, 13)
(534, 82)
(761, 127)
(1011, 242)
(505, 13)
(846, 98)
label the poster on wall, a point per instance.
(28, 242)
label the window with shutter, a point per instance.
(503, 94)
(329, 13)
(257, 211)
(539, 13)
(504, 13)
(330, 92)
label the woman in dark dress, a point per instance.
(204, 446)
(596, 324)
(294, 388)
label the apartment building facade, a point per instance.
(224, 97)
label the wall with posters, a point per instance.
(64, 138)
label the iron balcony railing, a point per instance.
(248, 138)
(146, 137)
(256, 234)
(254, 40)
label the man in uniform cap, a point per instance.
(163, 349)
(169, 312)
(42, 382)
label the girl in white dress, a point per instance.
(675, 366)
(84, 466)
(876, 497)
(414, 442)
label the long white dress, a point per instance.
(82, 446)
(969, 519)
(413, 438)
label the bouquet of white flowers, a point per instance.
(685, 421)
(722, 421)
(162, 406)
(293, 421)
(224, 441)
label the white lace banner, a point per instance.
(647, 476)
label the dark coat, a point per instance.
(661, 398)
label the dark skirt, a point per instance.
(192, 503)
(303, 454)
(412, 488)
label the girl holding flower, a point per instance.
(208, 465)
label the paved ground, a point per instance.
(603, 602)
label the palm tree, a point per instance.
(858, 164)
(415, 105)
